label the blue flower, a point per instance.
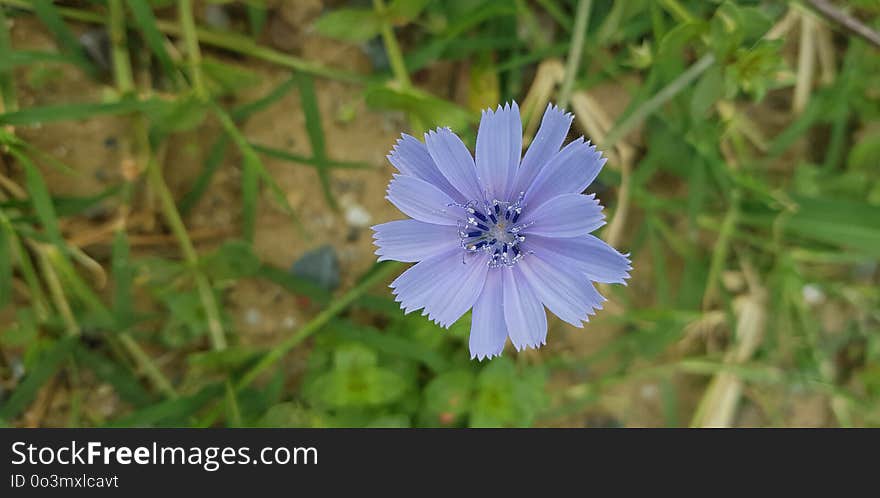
(502, 235)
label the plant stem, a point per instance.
(395, 56)
(56, 290)
(146, 363)
(677, 10)
(667, 93)
(121, 63)
(574, 55)
(9, 102)
(191, 41)
(169, 210)
(722, 247)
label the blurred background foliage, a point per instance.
(217, 275)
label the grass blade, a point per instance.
(309, 161)
(75, 112)
(316, 134)
(64, 38)
(40, 198)
(146, 22)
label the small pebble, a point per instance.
(253, 316)
(813, 294)
(357, 216)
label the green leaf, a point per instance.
(397, 346)
(447, 398)
(506, 397)
(349, 24)
(355, 381)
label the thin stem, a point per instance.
(146, 363)
(849, 23)
(191, 41)
(395, 56)
(121, 63)
(667, 93)
(56, 290)
(172, 216)
(806, 63)
(574, 55)
(9, 102)
(678, 10)
(722, 247)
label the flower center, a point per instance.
(491, 227)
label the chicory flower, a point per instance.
(500, 233)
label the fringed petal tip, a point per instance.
(486, 356)
(505, 107)
(537, 345)
(551, 107)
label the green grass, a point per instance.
(754, 228)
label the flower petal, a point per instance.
(523, 312)
(488, 329)
(411, 158)
(570, 171)
(548, 140)
(411, 240)
(455, 162)
(445, 285)
(570, 298)
(420, 200)
(589, 254)
(499, 147)
(567, 215)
